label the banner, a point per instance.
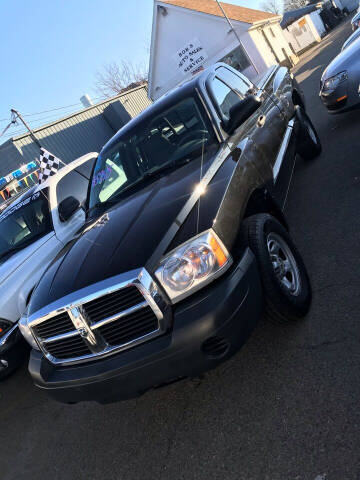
(29, 180)
(18, 172)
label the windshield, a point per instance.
(176, 135)
(23, 223)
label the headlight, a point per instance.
(26, 332)
(193, 265)
(332, 82)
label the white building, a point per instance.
(189, 35)
(303, 27)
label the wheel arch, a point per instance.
(29, 296)
(261, 201)
(298, 99)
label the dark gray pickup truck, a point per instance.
(185, 242)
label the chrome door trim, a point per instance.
(283, 148)
(215, 123)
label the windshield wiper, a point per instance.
(156, 170)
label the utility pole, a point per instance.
(16, 114)
(236, 34)
(32, 134)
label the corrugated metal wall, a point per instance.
(73, 136)
(10, 158)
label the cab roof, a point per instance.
(184, 89)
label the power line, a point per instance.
(56, 109)
(45, 111)
(37, 121)
(52, 110)
(62, 108)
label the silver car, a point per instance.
(355, 21)
(339, 87)
(351, 39)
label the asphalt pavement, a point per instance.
(287, 407)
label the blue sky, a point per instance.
(50, 50)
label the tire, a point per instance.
(309, 144)
(287, 288)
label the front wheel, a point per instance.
(309, 144)
(283, 273)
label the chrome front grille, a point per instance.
(113, 303)
(68, 348)
(54, 326)
(102, 323)
(134, 325)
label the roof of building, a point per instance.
(234, 12)
(293, 15)
(133, 103)
(71, 136)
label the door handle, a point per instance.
(261, 121)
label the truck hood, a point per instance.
(125, 237)
(10, 265)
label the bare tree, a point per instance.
(119, 77)
(294, 4)
(272, 6)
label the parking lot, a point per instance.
(285, 408)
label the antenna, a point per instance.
(236, 35)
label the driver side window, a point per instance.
(242, 88)
(224, 96)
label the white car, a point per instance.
(33, 230)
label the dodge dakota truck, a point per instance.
(185, 242)
(33, 230)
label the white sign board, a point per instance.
(191, 57)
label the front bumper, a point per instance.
(226, 313)
(344, 98)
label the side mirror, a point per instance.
(240, 112)
(67, 208)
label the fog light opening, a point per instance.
(215, 347)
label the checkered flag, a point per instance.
(49, 165)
